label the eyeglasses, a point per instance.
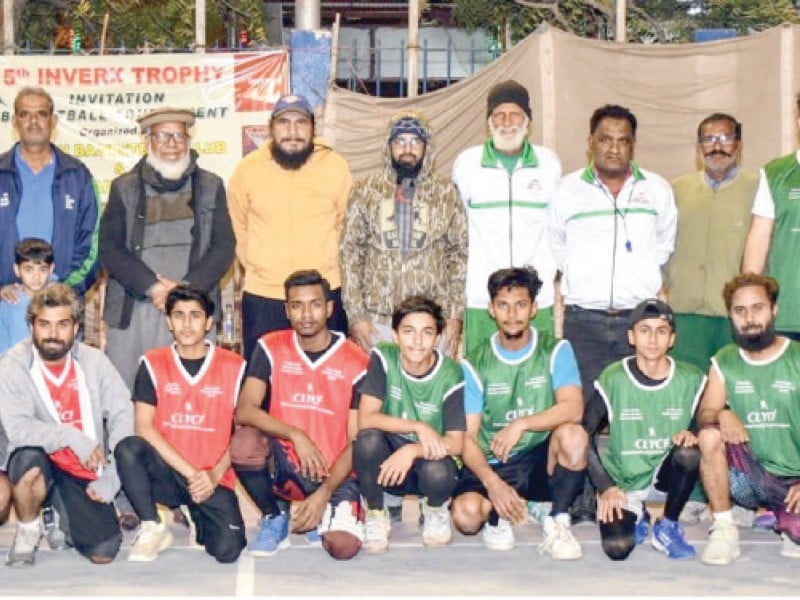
(414, 142)
(725, 139)
(163, 137)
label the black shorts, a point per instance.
(93, 526)
(525, 471)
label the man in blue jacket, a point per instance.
(46, 194)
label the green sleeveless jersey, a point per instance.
(642, 419)
(418, 399)
(513, 389)
(766, 398)
(783, 177)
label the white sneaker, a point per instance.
(789, 548)
(694, 512)
(743, 517)
(26, 542)
(436, 529)
(376, 531)
(558, 539)
(151, 539)
(341, 518)
(723, 545)
(500, 536)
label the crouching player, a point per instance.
(184, 397)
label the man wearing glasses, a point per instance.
(713, 216)
(166, 222)
(772, 244)
(405, 233)
(45, 194)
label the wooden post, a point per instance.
(621, 21)
(200, 26)
(8, 27)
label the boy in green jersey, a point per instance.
(523, 402)
(750, 421)
(411, 424)
(649, 400)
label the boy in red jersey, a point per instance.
(64, 410)
(184, 397)
(299, 449)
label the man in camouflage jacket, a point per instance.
(405, 233)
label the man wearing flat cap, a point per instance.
(405, 233)
(506, 184)
(46, 194)
(166, 222)
(287, 202)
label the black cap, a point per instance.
(652, 308)
(508, 91)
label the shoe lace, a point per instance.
(375, 525)
(26, 540)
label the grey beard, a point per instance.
(169, 170)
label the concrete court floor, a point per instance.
(465, 568)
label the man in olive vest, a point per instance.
(522, 398)
(649, 400)
(750, 419)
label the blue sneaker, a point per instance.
(642, 527)
(766, 520)
(273, 536)
(668, 538)
(313, 538)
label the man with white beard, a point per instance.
(506, 184)
(166, 222)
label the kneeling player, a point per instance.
(649, 400)
(185, 395)
(299, 449)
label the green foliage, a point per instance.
(748, 15)
(647, 20)
(159, 23)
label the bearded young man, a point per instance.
(405, 234)
(64, 410)
(287, 202)
(749, 420)
(506, 185)
(166, 222)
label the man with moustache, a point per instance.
(713, 218)
(506, 185)
(65, 408)
(405, 234)
(772, 244)
(612, 227)
(749, 420)
(287, 202)
(166, 222)
(45, 194)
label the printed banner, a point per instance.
(98, 99)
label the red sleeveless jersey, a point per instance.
(195, 414)
(63, 388)
(313, 396)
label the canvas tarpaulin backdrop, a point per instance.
(669, 88)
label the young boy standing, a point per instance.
(411, 424)
(33, 266)
(184, 398)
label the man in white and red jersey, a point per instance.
(64, 411)
(184, 397)
(299, 449)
